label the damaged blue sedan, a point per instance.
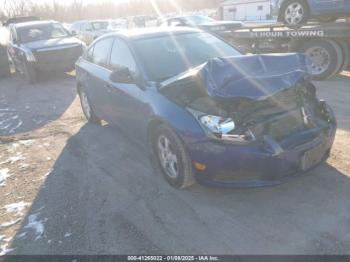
(207, 112)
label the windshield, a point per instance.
(167, 56)
(198, 20)
(41, 32)
(101, 25)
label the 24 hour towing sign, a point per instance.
(294, 33)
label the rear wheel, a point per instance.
(87, 109)
(294, 13)
(172, 157)
(326, 57)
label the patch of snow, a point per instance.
(3, 127)
(67, 234)
(48, 173)
(48, 158)
(2, 237)
(4, 250)
(26, 142)
(46, 144)
(15, 145)
(16, 208)
(11, 223)
(36, 225)
(13, 129)
(4, 174)
(22, 235)
(16, 158)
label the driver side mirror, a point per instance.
(122, 75)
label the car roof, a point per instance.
(185, 16)
(93, 20)
(28, 24)
(143, 33)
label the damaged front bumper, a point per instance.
(262, 164)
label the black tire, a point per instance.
(30, 73)
(345, 47)
(332, 56)
(305, 15)
(87, 108)
(185, 177)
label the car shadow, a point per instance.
(25, 107)
(104, 196)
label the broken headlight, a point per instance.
(223, 128)
(217, 124)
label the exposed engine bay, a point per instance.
(279, 105)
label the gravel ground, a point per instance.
(68, 187)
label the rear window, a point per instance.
(41, 32)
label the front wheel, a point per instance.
(173, 157)
(294, 13)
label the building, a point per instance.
(246, 10)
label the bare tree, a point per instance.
(17, 7)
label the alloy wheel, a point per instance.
(168, 157)
(294, 13)
(320, 59)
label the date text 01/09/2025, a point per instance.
(173, 258)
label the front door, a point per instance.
(125, 105)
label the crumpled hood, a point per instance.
(255, 77)
(55, 42)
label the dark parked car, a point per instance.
(204, 23)
(4, 64)
(42, 46)
(298, 12)
(206, 111)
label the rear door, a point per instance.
(97, 77)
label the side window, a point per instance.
(101, 51)
(122, 57)
(75, 27)
(86, 27)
